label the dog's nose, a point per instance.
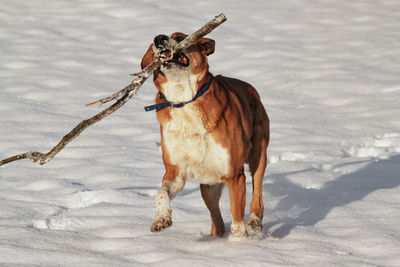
(161, 41)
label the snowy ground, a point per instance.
(327, 72)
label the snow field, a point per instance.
(327, 73)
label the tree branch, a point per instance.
(122, 97)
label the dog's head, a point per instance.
(190, 65)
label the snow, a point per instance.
(328, 75)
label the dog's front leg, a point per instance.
(172, 184)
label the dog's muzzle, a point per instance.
(165, 48)
(162, 42)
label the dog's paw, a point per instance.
(161, 223)
(238, 231)
(254, 225)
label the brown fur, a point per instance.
(233, 116)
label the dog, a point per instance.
(210, 127)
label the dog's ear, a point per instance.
(148, 57)
(178, 35)
(208, 45)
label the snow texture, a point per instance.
(328, 75)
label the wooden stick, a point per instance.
(123, 96)
(44, 158)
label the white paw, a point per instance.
(238, 231)
(161, 223)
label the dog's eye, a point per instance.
(179, 39)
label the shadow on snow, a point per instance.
(317, 203)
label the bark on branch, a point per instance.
(122, 97)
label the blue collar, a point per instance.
(157, 107)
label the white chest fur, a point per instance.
(192, 148)
(181, 85)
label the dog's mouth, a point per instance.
(180, 59)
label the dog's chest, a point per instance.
(192, 148)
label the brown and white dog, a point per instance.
(210, 127)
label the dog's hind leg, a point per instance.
(211, 195)
(172, 184)
(257, 164)
(237, 196)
